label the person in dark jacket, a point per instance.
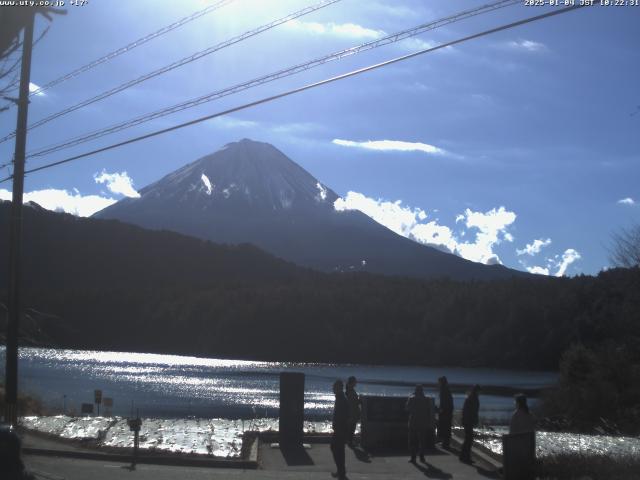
(469, 421)
(522, 421)
(445, 415)
(340, 429)
(420, 412)
(354, 408)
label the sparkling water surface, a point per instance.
(173, 386)
(202, 405)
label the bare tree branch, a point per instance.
(625, 247)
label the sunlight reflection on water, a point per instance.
(176, 386)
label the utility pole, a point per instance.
(15, 232)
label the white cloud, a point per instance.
(391, 146)
(559, 263)
(414, 43)
(433, 234)
(627, 201)
(568, 257)
(534, 247)
(64, 201)
(207, 184)
(119, 183)
(527, 45)
(347, 30)
(538, 270)
(355, 31)
(228, 121)
(392, 215)
(491, 227)
(34, 88)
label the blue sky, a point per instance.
(521, 147)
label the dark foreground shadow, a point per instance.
(488, 473)
(361, 454)
(431, 471)
(403, 452)
(295, 455)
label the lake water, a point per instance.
(172, 386)
(202, 405)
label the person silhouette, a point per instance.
(445, 414)
(522, 421)
(470, 411)
(340, 430)
(354, 408)
(420, 417)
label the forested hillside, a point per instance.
(106, 285)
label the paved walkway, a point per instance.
(312, 463)
(317, 462)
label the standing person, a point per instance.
(445, 416)
(354, 408)
(522, 421)
(469, 421)
(420, 421)
(340, 429)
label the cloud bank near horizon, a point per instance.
(60, 200)
(488, 230)
(75, 203)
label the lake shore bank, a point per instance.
(223, 438)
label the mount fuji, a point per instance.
(250, 192)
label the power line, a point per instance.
(132, 45)
(304, 88)
(4, 73)
(392, 38)
(178, 63)
(181, 62)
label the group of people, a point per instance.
(347, 411)
(346, 415)
(421, 418)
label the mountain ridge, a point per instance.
(251, 192)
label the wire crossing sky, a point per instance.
(127, 48)
(234, 89)
(179, 63)
(301, 89)
(486, 149)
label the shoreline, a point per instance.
(225, 438)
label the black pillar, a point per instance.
(291, 408)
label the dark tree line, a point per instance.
(106, 285)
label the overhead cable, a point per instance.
(304, 88)
(178, 63)
(131, 46)
(388, 39)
